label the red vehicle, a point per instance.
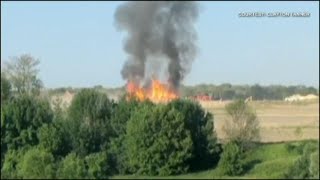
(202, 98)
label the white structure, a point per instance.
(298, 97)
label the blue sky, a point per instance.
(79, 46)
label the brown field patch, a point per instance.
(279, 120)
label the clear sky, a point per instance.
(79, 46)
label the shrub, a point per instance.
(314, 165)
(51, 138)
(98, 167)
(301, 167)
(35, 164)
(11, 159)
(72, 167)
(232, 160)
(242, 126)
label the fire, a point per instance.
(157, 92)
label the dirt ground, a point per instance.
(279, 121)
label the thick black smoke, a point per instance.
(158, 29)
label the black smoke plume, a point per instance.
(158, 29)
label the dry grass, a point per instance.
(279, 120)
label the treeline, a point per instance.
(258, 92)
(223, 91)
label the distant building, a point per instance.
(298, 97)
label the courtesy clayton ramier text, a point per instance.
(274, 14)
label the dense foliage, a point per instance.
(231, 162)
(96, 137)
(258, 92)
(307, 165)
(36, 164)
(89, 122)
(158, 142)
(21, 119)
(201, 127)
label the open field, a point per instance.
(279, 120)
(268, 161)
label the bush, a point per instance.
(98, 167)
(36, 164)
(11, 159)
(301, 167)
(72, 167)
(242, 126)
(51, 138)
(157, 141)
(232, 160)
(89, 121)
(314, 165)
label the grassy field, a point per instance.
(269, 161)
(279, 121)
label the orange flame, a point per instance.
(158, 92)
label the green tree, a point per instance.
(242, 125)
(98, 165)
(11, 160)
(22, 72)
(52, 138)
(201, 126)
(232, 158)
(123, 111)
(89, 121)
(72, 167)
(36, 164)
(157, 141)
(21, 118)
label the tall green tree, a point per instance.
(89, 121)
(157, 141)
(21, 119)
(201, 126)
(123, 111)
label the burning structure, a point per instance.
(160, 45)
